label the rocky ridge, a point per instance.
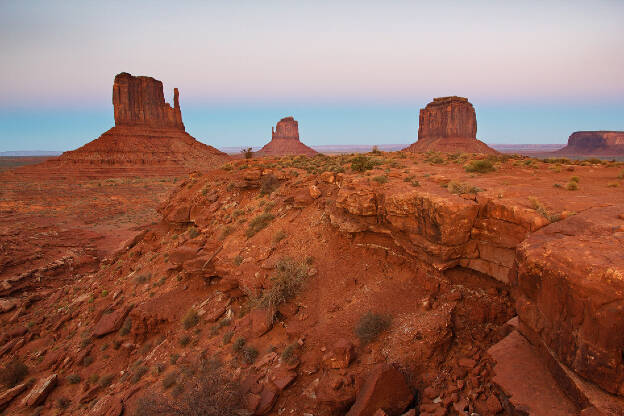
(598, 143)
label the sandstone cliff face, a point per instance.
(448, 124)
(140, 101)
(148, 137)
(602, 143)
(285, 140)
(447, 117)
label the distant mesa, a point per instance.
(148, 134)
(449, 124)
(285, 140)
(594, 143)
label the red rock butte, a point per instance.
(285, 140)
(599, 143)
(448, 124)
(148, 138)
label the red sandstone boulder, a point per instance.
(569, 288)
(285, 140)
(340, 355)
(384, 389)
(8, 395)
(40, 391)
(110, 322)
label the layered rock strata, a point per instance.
(285, 140)
(599, 143)
(448, 124)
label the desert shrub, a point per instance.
(575, 179)
(362, 163)
(381, 179)
(376, 150)
(279, 236)
(193, 232)
(370, 326)
(434, 158)
(106, 380)
(12, 373)
(227, 337)
(190, 319)
(289, 355)
(572, 186)
(238, 260)
(87, 361)
(621, 175)
(286, 281)
(462, 188)
(138, 374)
(209, 392)
(225, 232)
(74, 379)
(412, 180)
(613, 184)
(480, 166)
(174, 358)
(247, 152)
(184, 340)
(541, 209)
(268, 184)
(249, 354)
(93, 378)
(258, 223)
(170, 379)
(125, 328)
(238, 345)
(63, 403)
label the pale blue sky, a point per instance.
(349, 71)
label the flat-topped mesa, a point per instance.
(139, 101)
(606, 143)
(448, 124)
(286, 128)
(448, 117)
(285, 140)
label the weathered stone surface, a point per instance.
(139, 100)
(8, 395)
(108, 406)
(110, 322)
(570, 293)
(384, 389)
(40, 391)
(285, 140)
(604, 143)
(340, 355)
(7, 304)
(448, 124)
(447, 117)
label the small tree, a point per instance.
(247, 152)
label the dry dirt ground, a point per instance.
(117, 290)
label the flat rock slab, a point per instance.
(537, 393)
(40, 391)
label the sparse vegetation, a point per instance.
(138, 374)
(249, 354)
(12, 373)
(125, 328)
(268, 184)
(541, 209)
(238, 260)
(381, 179)
(247, 152)
(227, 337)
(289, 355)
(462, 188)
(286, 281)
(106, 380)
(185, 340)
(480, 166)
(279, 236)
(170, 379)
(376, 150)
(572, 186)
(362, 163)
(190, 319)
(74, 379)
(259, 223)
(370, 326)
(225, 232)
(238, 345)
(208, 392)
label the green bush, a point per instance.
(370, 326)
(480, 166)
(572, 186)
(362, 163)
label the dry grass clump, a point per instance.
(572, 186)
(208, 392)
(381, 179)
(541, 209)
(289, 355)
(12, 373)
(286, 282)
(462, 188)
(362, 163)
(190, 319)
(259, 223)
(479, 166)
(370, 326)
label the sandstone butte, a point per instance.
(148, 137)
(448, 124)
(285, 140)
(594, 143)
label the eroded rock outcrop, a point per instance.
(148, 134)
(448, 124)
(599, 143)
(285, 140)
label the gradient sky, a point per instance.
(349, 71)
